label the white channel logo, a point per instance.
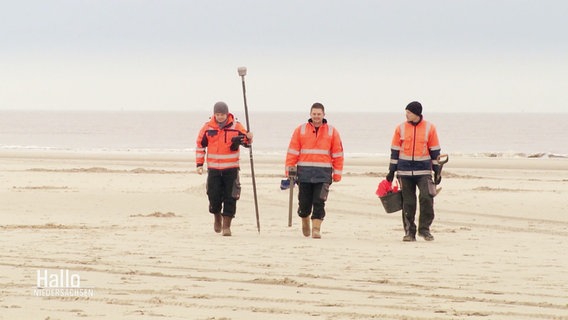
(60, 283)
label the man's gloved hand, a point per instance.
(390, 176)
(237, 141)
(200, 170)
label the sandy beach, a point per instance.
(135, 229)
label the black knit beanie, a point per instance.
(415, 107)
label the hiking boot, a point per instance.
(227, 226)
(306, 226)
(217, 225)
(409, 238)
(316, 228)
(426, 235)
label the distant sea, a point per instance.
(363, 134)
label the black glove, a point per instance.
(390, 176)
(236, 142)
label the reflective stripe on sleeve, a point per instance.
(294, 152)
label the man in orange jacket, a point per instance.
(218, 141)
(414, 155)
(317, 151)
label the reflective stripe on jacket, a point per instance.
(214, 143)
(317, 153)
(414, 149)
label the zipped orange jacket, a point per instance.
(214, 144)
(318, 154)
(414, 149)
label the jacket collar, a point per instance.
(228, 123)
(416, 123)
(324, 121)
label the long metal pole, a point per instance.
(242, 72)
(291, 200)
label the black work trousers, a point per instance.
(426, 201)
(312, 196)
(223, 190)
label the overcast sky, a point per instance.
(351, 55)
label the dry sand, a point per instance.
(136, 230)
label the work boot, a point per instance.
(316, 226)
(426, 235)
(306, 226)
(227, 226)
(408, 237)
(218, 222)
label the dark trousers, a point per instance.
(223, 190)
(312, 195)
(409, 185)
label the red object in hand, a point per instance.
(384, 187)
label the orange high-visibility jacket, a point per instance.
(217, 141)
(414, 149)
(318, 156)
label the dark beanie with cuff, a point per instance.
(415, 107)
(221, 107)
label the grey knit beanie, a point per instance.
(221, 107)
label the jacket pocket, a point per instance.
(324, 191)
(431, 187)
